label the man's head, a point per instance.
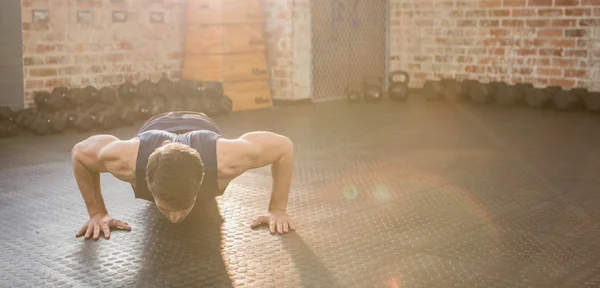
(174, 174)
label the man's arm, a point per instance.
(90, 158)
(87, 166)
(265, 148)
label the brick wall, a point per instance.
(545, 42)
(102, 53)
(278, 33)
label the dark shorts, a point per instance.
(180, 122)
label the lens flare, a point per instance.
(381, 193)
(350, 192)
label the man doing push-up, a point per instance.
(174, 158)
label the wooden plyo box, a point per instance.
(248, 95)
(226, 68)
(224, 12)
(224, 39)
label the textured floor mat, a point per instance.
(411, 195)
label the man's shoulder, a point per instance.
(120, 149)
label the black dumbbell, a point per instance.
(107, 95)
(79, 98)
(23, 116)
(7, 114)
(127, 91)
(157, 105)
(165, 87)
(225, 105)
(105, 117)
(141, 109)
(146, 89)
(127, 116)
(92, 94)
(8, 129)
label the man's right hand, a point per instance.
(101, 222)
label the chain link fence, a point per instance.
(349, 43)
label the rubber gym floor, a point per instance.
(386, 195)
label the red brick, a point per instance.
(475, 50)
(443, 58)
(475, 13)
(490, 3)
(466, 4)
(563, 43)
(537, 23)
(52, 83)
(514, 3)
(500, 13)
(498, 51)
(590, 2)
(500, 32)
(38, 26)
(34, 84)
(53, 60)
(79, 48)
(42, 72)
(576, 53)
(486, 60)
(578, 12)
(526, 52)
(474, 69)
(596, 11)
(54, 37)
(125, 45)
(70, 70)
(575, 73)
(561, 82)
(113, 57)
(94, 69)
(575, 33)
(456, 13)
(464, 59)
(44, 48)
(550, 12)
(541, 62)
(550, 33)
(525, 71)
(583, 42)
(492, 42)
(414, 66)
(466, 23)
(513, 23)
(550, 51)
(523, 12)
(33, 61)
(566, 2)
(548, 72)
(564, 63)
(589, 22)
(539, 3)
(422, 58)
(564, 23)
(445, 4)
(423, 5)
(489, 23)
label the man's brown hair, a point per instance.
(174, 174)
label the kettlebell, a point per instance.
(372, 89)
(353, 93)
(399, 90)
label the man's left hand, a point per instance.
(277, 221)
